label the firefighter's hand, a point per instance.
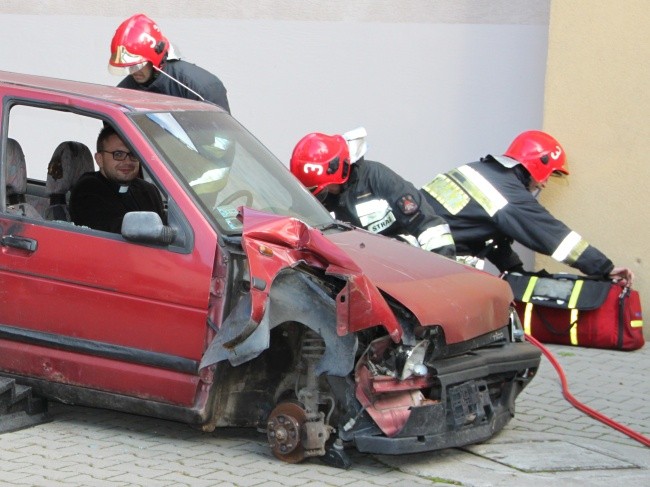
(623, 275)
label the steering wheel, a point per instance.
(242, 193)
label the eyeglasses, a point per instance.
(120, 155)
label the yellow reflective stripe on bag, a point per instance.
(575, 294)
(636, 323)
(528, 311)
(573, 332)
(529, 289)
(573, 300)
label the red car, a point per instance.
(252, 307)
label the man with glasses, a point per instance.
(100, 199)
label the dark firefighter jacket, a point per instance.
(377, 199)
(198, 79)
(484, 201)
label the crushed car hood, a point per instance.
(465, 301)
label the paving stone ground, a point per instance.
(547, 442)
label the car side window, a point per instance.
(37, 136)
(47, 151)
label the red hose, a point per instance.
(582, 407)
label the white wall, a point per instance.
(436, 84)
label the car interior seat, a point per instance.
(69, 161)
(16, 172)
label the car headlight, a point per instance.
(414, 361)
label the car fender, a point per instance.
(274, 242)
(293, 296)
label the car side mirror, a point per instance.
(146, 227)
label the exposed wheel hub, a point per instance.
(284, 432)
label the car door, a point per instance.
(89, 308)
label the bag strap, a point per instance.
(547, 324)
(621, 316)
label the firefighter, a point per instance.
(365, 193)
(143, 54)
(491, 203)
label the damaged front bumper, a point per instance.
(460, 400)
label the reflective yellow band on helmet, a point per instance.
(573, 332)
(447, 193)
(570, 249)
(636, 323)
(528, 311)
(479, 188)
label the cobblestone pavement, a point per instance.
(548, 441)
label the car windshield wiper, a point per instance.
(338, 225)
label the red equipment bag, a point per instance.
(575, 310)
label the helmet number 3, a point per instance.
(147, 38)
(555, 155)
(313, 168)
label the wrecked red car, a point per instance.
(252, 307)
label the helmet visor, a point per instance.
(123, 63)
(126, 70)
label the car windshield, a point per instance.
(225, 167)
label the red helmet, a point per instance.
(539, 153)
(319, 160)
(136, 42)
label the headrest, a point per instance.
(16, 168)
(69, 161)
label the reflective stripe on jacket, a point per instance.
(485, 201)
(379, 200)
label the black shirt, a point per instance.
(101, 204)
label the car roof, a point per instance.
(132, 100)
